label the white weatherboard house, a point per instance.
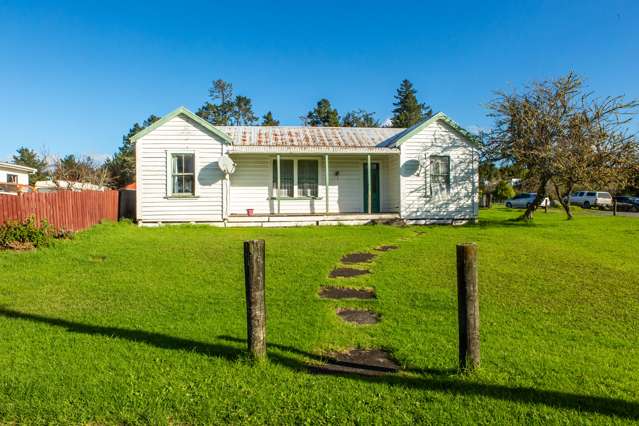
(290, 176)
(14, 178)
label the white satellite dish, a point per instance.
(226, 164)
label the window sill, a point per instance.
(181, 197)
(295, 198)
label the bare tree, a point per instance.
(563, 136)
(70, 170)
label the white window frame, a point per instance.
(169, 174)
(15, 176)
(429, 179)
(296, 195)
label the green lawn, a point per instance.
(130, 325)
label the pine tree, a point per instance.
(220, 112)
(407, 110)
(323, 115)
(359, 118)
(30, 158)
(268, 120)
(122, 166)
(226, 110)
(242, 113)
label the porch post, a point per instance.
(326, 180)
(279, 182)
(370, 190)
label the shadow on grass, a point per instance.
(440, 380)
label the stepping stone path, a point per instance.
(386, 248)
(347, 272)
(346, 293)
(372, 362)
(358, 316)
(358, 258)
(369, 362)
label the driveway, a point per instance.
(609, 213)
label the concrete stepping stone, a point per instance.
(347, 272)
(358, 316)
(346, 293)
(358, 258)
(386, 248)
(363, 362)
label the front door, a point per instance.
(374, 187)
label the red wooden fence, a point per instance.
(66, 210)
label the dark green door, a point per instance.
(374, 187)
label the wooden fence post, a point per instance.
(468, 306)
(255, 304)
(614, 207)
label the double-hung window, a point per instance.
(287, 178)
(439, 176)
(182, 178)
(307, 178)
(298, 178)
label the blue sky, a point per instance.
(74, 76)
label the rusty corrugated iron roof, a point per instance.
(285, 136)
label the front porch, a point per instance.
(300, 219)
(313, 187)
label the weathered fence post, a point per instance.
(614, 207)
(468, 306)
(255, 304)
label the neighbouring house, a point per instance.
(189, 171)
(63, 185)
(14, 178)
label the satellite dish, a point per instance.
(226, 164)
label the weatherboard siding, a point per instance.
(391, 191)
(417, 203)
(179, 134)
(23, 178)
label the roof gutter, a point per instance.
(252, 149)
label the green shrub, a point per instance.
(503, 191)
(26, 234)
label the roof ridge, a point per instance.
(310, 127)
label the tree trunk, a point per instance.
(541, 194)
(565, 204)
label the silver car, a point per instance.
(525, 199)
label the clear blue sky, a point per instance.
(74, 76)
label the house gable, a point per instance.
(182, 111)
(408, 133)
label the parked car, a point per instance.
(588, 199)
(627, 203)
(523, 200)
